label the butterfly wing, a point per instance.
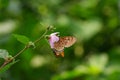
(68, 41)
(62, 43)
(58, 53)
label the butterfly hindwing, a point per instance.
(58, 53)
(62, 43)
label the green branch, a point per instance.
(26, 47)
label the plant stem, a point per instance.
(25, 48)
(4, 64)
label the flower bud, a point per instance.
(51, 28)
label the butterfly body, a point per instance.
(59, 43)
(58, 53)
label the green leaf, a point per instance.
(23, 39)
(97, 63)
(5, 68)
(4, 54)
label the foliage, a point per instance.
(21, 38)
(95, 24)
(3, 54)
(4, 69)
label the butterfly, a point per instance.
(58, 44)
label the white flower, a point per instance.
(53, 38)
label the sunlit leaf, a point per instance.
(23, 39)
(97, 63)
(5, 68)
(4, 54)
(68, 75)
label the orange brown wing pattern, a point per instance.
(69, 41)
(64, 42)
(58, 53)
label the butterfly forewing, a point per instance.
(69, 41)
(64, 42)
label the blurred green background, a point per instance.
(95, 23)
